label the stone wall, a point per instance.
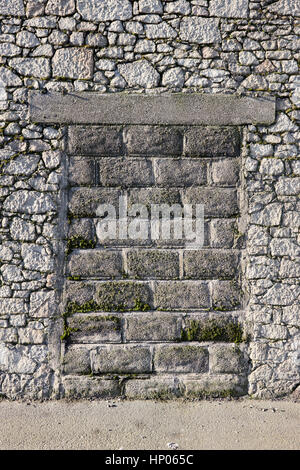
(240, 47)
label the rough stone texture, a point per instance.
(95, 140)
(92, 263)
(31, 67)
(181, 295)
(121, 359)
(181, 358)
(104, 10)
(60, 7)
(229, 8)
(73, 63)
(152, 327)
(139, 73)
(199, 30)
(12, 7)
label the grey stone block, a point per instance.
(181, 295)
(180, 172)
(104, 10)
(152, 327)
(139, 74)
(227, 359)
(100, 140)
(91, 328)
(83, 228)
(222, 233)
(77, 361)
(121, 359)
(214, 385)
(210, 264)
(162, 387)
(29, 202)
(200, 30)
(79, 292)
(229, 8)
(12, 7)
(81, 171)
(211, 141)
(155, 264)
(226, 295)
(95, 263)
(123, 295)
(31, 66)
(126, 108)
(85, 201)
(218, 202)
(125, 172)
(149, 196)
(153, 140)
(73, 62)
(181, 358)
(90, 387)
(225, 172)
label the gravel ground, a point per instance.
(150, 425)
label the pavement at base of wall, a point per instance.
(150, 425)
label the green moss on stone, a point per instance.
(213, 330)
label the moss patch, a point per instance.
(213, 330)
(79, 242)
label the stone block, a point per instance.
(153, 140)
(227, 359)
(125, 172)
(121, 359)
(82, 228)
(104, 10)
(214, 386)
(29, 202)
(218, 202)
(81, 171)
(85, 201)
(210, 264)
(152, 6)
(31, 67)
(181, 295)
(222, 233)
(60, 7)
(36, 258)
(12, 306)
(162, 387)
(73, 62)
(90, 387)
(148, 196)
(12, 7)
(229, 8)
(139, 73)
(43, 304)
(77, 361)
(155, 264)
(200, 30)
(95, 263)
(80, 293)
(226, 295)
(123, 295)
(91, 328)
(225, 172)
(206, 141)
(152, 327)
(181, 358)
(160, 31)
(180, 172)
(100, 140)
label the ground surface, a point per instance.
(237, 424)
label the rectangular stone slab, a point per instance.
(172, 109)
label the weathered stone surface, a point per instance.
(95, 263)
(205, 264)
(181, 7)
(104, 10)
(222, 233)
(181, 358)
(122, 359)
(154, 264)
(9, 78)
(173, 77)
(125, 172)
(268, 216)
(229, 8)
(90, 387)
(12, 7)
(73, 62)
(27, 39)
(43, 304)
(215, 386)
(226, 295)
(180, 172)
(153, 140)
(85, 201)
(92, 328)
(217, 202)
(36, 258)
(122, 295)
(9, 50)
(81, 171)
(200, 30)
(212, 142)
(152, 327)
(225, 172)
(60, 7)
(127, 108)
(31, 67)
(178, 295)
(29, 202)
(154, 388)
(79, 292)
(100, 140)
(285, 7)
(152, 6)
(160, 31)
(22, 230)
(12, 306)
(227, 359)
(16, 360)
(77, 361)
(281, 294)
(139, 73)
(22, 165)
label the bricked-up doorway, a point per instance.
(148, 318)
